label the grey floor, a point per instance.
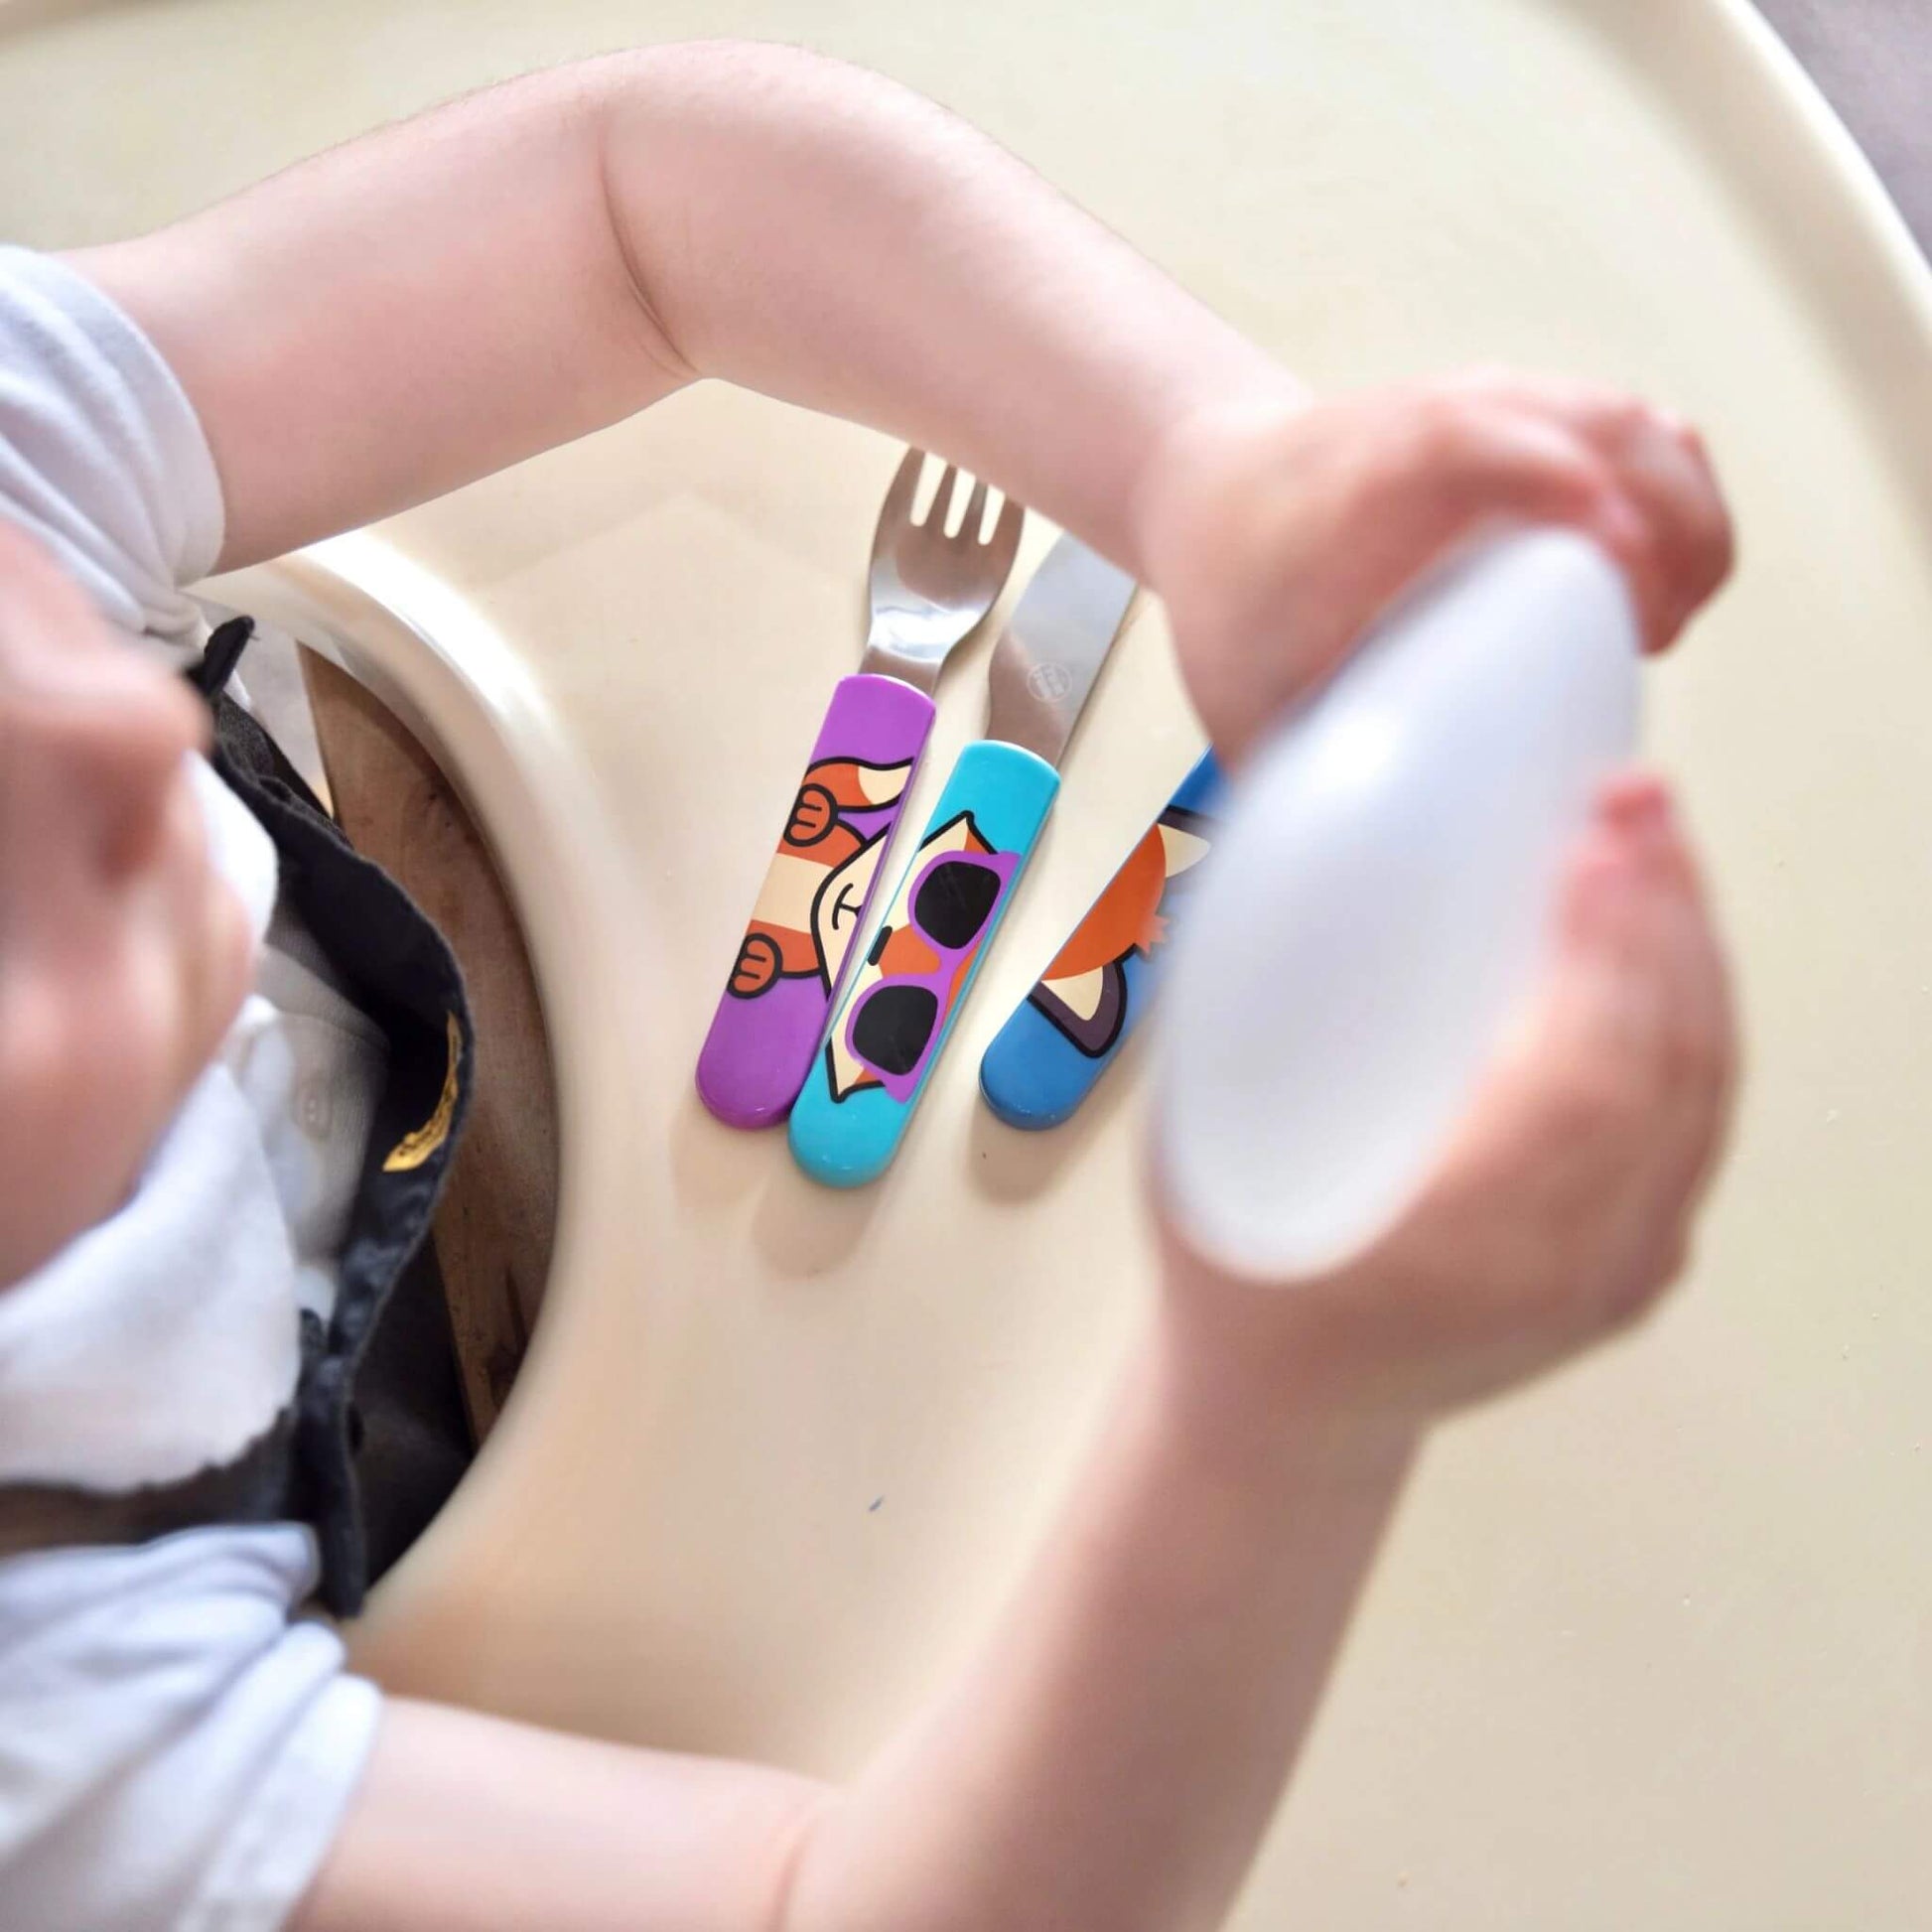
(1873, 61)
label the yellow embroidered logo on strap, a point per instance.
(414, 1149)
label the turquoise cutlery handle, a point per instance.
(1066, 1032)
(893, 1022)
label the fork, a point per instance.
(929, 591)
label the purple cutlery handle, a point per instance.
(813, 900)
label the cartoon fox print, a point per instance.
(1083, 993)
(809, 906)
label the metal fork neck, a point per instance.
(887, 655)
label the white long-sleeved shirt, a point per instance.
(177, 1744)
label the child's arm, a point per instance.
(413, 309)
(1111, 1759)
(420, 307)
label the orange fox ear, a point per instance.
(859, 787)
(1121, 918)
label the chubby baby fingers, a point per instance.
(1636, 1062)
(1663, 514)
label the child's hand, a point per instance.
(1563, 1206)
(1277, 535)
(123, 953)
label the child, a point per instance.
(189, 1250)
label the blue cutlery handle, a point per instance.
(894, 1020)
(1070, 1028)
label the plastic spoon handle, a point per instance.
(894, 1020)
(1066, 1032)
(1379, 903)
(813, 900)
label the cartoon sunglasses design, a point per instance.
(922, 963)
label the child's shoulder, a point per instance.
(102, 458)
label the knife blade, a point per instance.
(1052, 648)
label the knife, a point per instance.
(1066, 1032)
(893, 1022)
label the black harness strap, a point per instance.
(400, 972)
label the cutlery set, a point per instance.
(848, 1045)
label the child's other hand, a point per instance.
(1277, 534)
(123, 952)
(1563, 1206)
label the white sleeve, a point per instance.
(175, 1754)
(101, 455)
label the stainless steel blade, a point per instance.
(1053, 648)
